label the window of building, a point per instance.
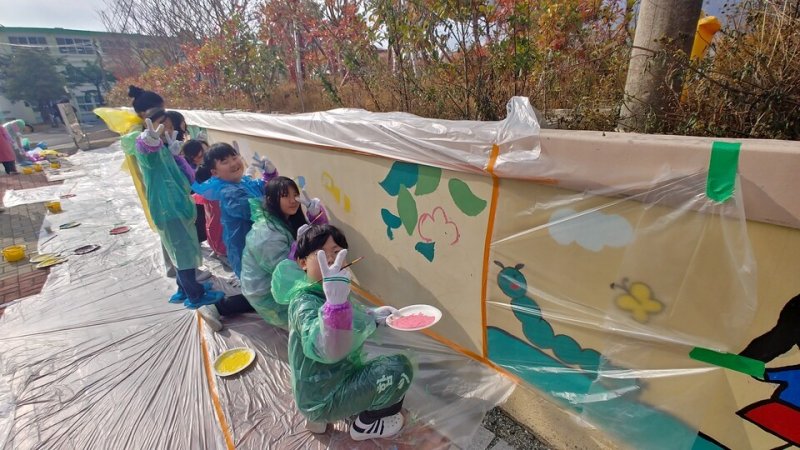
(27, 40)
(75, 46)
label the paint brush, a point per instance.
(348, 265)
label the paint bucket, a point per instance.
(37, 167)
(27, 170)
(55, 165)
(14, 253)
(53, 207)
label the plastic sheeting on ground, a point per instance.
(99, 359)
(16, 197)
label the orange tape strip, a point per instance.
(488, 244)
(223, 424)
(441, 339)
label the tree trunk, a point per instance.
(649, 86)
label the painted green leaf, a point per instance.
(401, 174)
(407, 210)
(467, 202)
(428, 181)
(391, 222)
(426, 249)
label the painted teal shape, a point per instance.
(706, 443)
(426, 249)
(301, 182)
(639, 425)
(392, 222)
(722, 170)
(540, 333)
(429, 178)
(538, 330)
(469, 203)
(511, 281)
(407, 210)
(400, 174)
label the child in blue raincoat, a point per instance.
(232, 189)
(330, 378)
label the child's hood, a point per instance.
(257, 213)
(289, 281)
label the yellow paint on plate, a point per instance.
(233, 361)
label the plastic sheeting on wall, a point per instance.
(99, 359)
(628, 310)
(452, 144)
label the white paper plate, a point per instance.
(428, 310)
(244, 364)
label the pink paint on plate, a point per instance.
(414, 318)
(417, 320)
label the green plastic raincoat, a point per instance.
(327, 388)
(171, 209)
(268, 243)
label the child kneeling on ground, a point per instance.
(330, 379)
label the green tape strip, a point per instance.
(722, 170)
(739, 363)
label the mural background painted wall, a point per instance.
(396, 270)
(610, 293)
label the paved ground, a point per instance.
(20, 225)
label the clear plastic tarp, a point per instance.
(99, 359)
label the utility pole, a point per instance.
(649, 86)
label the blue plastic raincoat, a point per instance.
(234, 203)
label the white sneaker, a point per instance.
(381, 428)
(211, 317)
(201, 275)
(316, 427)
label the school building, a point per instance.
(120, 54)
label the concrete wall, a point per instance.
(592, 282)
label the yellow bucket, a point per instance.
(27, 170)
(53, 207)
(55, 165)
(14, 253)
(37, 167)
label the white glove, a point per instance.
(251, 172)
(381, 314)
(302, 230)
(313, 205)
(150, 136)
(264, 163)
(171, 139)
(335, 281)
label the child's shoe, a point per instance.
(178, 297)
(382, 428)
(316, 427)
(208, 298)
(211, 317)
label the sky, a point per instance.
(72, 14)
(82, 14)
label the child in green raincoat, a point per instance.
(172, 210)
(330, 378)
(270, 241)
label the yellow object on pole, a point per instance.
(124, 123)
(707, 27)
